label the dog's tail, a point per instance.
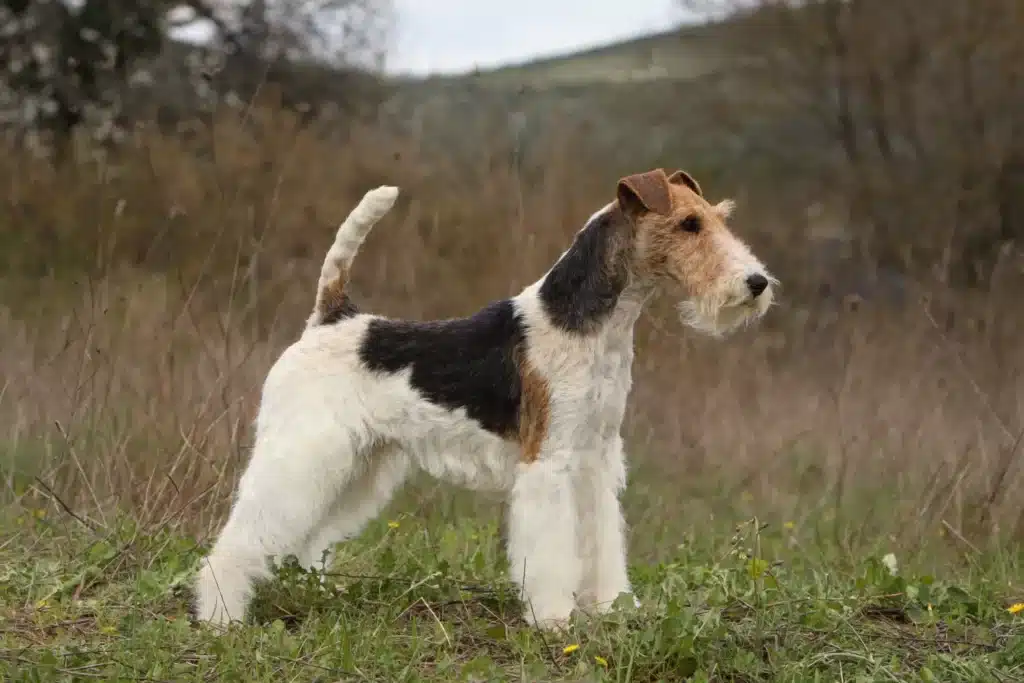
(332, 301)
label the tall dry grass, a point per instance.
(145, 296)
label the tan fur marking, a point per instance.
(334, 300)
(652, 189)
(534, 408)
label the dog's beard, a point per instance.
(716, 316)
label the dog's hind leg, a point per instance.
(360, 502)
(284, 498)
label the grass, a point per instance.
(424, 598)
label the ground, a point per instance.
(420, 596)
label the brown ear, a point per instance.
(684, 178)
(645, 192)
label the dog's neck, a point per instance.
(591, 291)
(619, 325)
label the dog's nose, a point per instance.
(756, 283)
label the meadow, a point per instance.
(831, 496)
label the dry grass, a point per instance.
(146, 297)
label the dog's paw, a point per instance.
(553, 625)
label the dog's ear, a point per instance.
(645, 192)
(684, 178)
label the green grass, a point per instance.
(424, 598)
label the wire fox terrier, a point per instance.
(526, 397)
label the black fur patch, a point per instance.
(460, 363)
(340, 310)
(583, 289)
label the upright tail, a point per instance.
(332, 301)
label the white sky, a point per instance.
(450, 36)
(458, 35)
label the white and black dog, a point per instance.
(525, 396)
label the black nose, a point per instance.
(756, 283)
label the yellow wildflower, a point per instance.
(789, 525)
(601, 661)
(569, 649)
(392, 524)
(1016, 608)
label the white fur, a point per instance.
(335, 440)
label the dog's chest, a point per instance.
(605, 382)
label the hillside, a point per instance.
(679, 97)
(680, 54)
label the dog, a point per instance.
(526, 397)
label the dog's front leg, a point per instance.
(543, 554)
(602, 536)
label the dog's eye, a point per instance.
(690, 224)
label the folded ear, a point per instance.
(644, 192)
(684, 178)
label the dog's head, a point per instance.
(682, 245)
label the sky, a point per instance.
(448, 36)
(454, 36)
